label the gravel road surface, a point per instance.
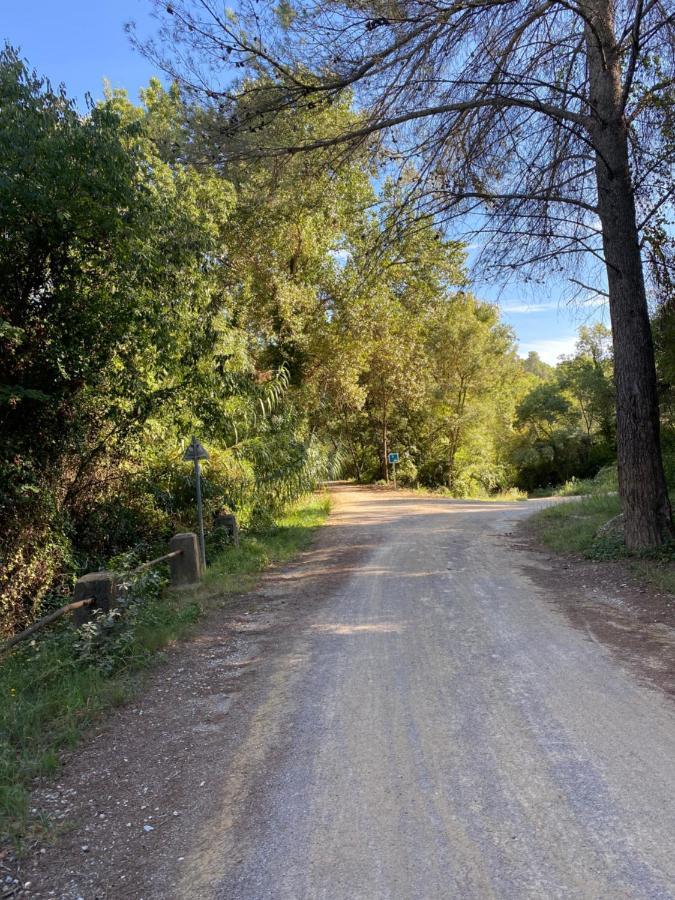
(429, 726)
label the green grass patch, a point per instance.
(572, 527)
(660, 573)
(236, 570)
(52, 688)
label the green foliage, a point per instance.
(108, 281)
(122, 272)
(534, 365)
(604, 482)
(565, 423)
(406, 471)
(664, 341)
(109, 641)
(476, 381)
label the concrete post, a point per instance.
(102, 586)
(228, 523)
(186, 568)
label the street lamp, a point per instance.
(194, 453)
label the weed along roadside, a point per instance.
(65, 677)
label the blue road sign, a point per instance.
(393, 458)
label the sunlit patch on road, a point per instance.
(369, 628)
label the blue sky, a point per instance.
(549, 327)
(82, 42)
(547, 322)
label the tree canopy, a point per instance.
(288, 310)
(545, 129)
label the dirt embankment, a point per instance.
(634, 620)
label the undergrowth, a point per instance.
(56, 685)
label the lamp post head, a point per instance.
(195, 451)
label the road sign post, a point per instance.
(393, 459)
(194, 453)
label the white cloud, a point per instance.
(531, 308)
(549, 349)
(516, 308)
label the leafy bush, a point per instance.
(606, 481)
(406, 471)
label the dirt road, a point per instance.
(403, 715)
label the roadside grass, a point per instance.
(507, 495)
(236, 570)
(52, 688)
(572, 527)
(604, 482)
(660, 575)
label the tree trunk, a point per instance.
(642, 483)
(385, 443)
(452, 453)
(456, 432)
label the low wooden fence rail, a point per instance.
(154, 562)
(98, 590)
(46, 620)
